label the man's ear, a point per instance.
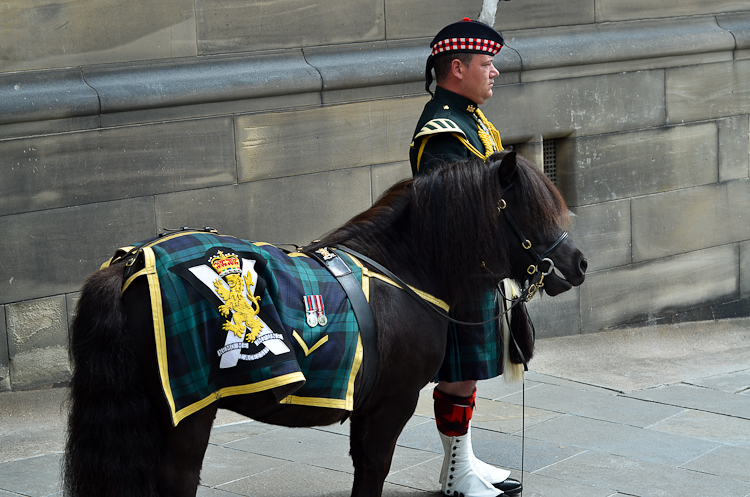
(457, 69)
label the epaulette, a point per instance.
(436, 126)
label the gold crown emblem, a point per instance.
(225, 264)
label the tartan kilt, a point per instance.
(473, 352)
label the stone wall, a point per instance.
(278, 121)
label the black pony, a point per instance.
(452, 234)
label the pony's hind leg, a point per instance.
(183, 449)
(373, 440)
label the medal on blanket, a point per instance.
(315, 310)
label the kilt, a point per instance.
(474, 352)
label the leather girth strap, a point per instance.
(339, 269)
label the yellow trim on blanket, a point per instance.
(301, 342)
(237, 390)
(130, 280)
(157, 315)
(316, 402)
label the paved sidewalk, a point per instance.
(659, 411)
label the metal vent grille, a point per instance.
(550, 159)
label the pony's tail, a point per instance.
(112, 442)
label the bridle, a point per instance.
(537, 275)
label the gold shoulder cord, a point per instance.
(491, 141)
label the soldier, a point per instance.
(453, 128)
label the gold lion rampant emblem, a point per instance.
(244, 313)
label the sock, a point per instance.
(452, 414)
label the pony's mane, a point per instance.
(549, 211)
(449, 222)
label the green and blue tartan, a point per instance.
(473, 352)
(193, 326)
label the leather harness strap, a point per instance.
(339, 269)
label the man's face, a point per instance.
(479, 77)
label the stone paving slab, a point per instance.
(303, 446)
(14, 475)
(699, 398)
(708, 426)
(738, 382)
(222, 465)
(639, 478)
(627, 441)
(726, 462)
(602, 405)
(31, 423)
(536, 485)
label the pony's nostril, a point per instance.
(584, 265)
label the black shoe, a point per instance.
(509, 486)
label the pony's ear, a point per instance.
(506, 168)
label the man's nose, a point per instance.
(494, 72)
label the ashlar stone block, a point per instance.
(413, 18)
(641, 292)
(625, 10)
(621, 165)
(734, 148)
(602, 232)
(52, 252)
(424, 18)
(237, 25)
(709, 91)
(745, 269)
(690, 219)
(556, 316)
(338, 137)
(383, 176)
(69, 33)
(290, 210)
(75, 168)
(38, 342)
(4, 358)
(576, 107)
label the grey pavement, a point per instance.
(657, 411)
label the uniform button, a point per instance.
(445, 107)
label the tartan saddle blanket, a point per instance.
(233, 317)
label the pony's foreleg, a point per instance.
(373, 440)
(183, 449)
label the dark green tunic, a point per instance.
(444, 118)
(473, 352)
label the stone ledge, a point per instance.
(92, 90)
(41, 96)
(201, 80)
(622, 41)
